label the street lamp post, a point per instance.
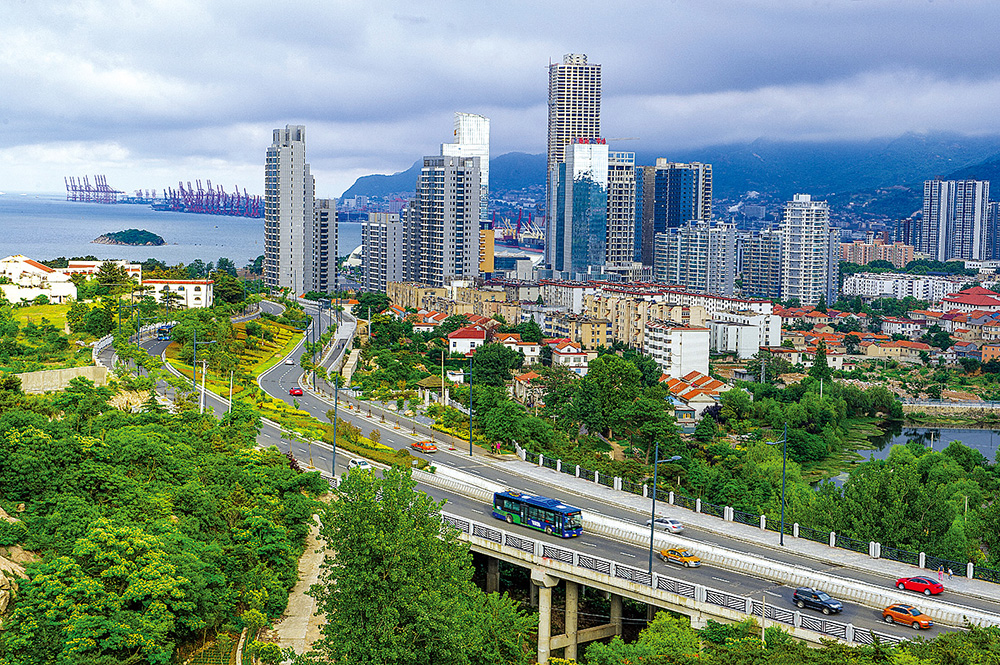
(652, 514)
(194, 365)
(784, 462)
(470, 406)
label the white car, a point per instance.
(360, 464)
(289, 360)
(668, 524)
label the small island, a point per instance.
(130, 237)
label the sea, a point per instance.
(47, 226)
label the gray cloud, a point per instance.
(151, 91)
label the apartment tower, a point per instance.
(447, 214)
(382, 240)
(289, 202)
(806, 263)
(472, 139)
(621, 226)
(682, 193)
(954, 224)
(574, 113)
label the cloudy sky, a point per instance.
(153, 91)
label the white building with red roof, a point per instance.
(571, 355)
(532, 351)
(467, 339)
(187, 293)
(969, 300)
(29, 279)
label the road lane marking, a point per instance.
(719, 579)
(776, 595)
(627, 554)
(477, 511)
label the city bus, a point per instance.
(163, 332)
(538, 512)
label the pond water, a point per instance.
(985, 441)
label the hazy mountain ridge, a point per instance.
(780, 168)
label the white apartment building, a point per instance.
(382, 243)
(896, 285)
(567, 296)
(447, 206)
(744, 332)
(472, 139)
(324, 246)
(806, 257)
(699, 256)
(289, 202)
(954, 223)
(676, 348)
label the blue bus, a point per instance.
(538, 512)
(163, 332)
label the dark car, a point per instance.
(295, 391)
(924, 585)
(817, 600)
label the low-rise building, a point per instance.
(972, 299)
(676, 348)
(28, 279)
(532, 350)
(590, 332)
(466, 340)
(744, 332)
(571, 355)
(908, 327)
(90, 268)
(410, 295)
(186, 293)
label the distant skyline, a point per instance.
(154, 92)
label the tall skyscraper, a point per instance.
(683, 192)
(645, 199)
(574, 113)
(472, 139)
(762, 265)
(447, 206)
(700, 256)
(579, 211)
(409, 216)
(954, 224)
(993, 230)
(620, 241)
(324, 246)
(806, 250)
(382, 243)
(289, 202)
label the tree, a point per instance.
(503, 423)
(492, 365)
(112, 274)
(377, 302)
(400, 588)
(706, 430)
(821, 305)
(820, 370)
(226, 265)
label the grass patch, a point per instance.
(56, 314)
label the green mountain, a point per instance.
(779, 168)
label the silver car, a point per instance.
(668, 524)
(360, 464)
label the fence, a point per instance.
(844, 631)
(876, 550)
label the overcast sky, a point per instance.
(152, 92)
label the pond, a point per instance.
(985, 441)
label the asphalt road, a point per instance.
(281, 378)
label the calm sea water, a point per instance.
(48, 226)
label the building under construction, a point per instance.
(210, 201)
(80, 189)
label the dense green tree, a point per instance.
(400, 590)
(820, 369)
(373, 300)
(493, 365)
(610, 382)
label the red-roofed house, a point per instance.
(31, 279)
(532, 351)
(570, 354)
(465, 340)
(903, 351)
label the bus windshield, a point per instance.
(574, 521)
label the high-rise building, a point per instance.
(447, 208)
(620, 241)
(382, 241)
(645, 191)
(700, 256)
(762, 265)
(289, 202)
(806, 262)
(324, 246)
(472, 139)
(993, 230)
(579, 210)
(574, 113)
(682, 193)
(409, 216)
(954, 224)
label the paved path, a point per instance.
(299, 627)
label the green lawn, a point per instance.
(56, 314)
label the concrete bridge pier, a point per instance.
(543, 584)
(573, 637)
(492, 575)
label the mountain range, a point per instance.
(828, 169)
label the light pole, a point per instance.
(194, 362)
(784, 462)
(652, 514)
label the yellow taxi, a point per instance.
(681, 557)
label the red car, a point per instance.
(924, 585)
(424, 446)
(295, 391)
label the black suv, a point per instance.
(817, 600)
